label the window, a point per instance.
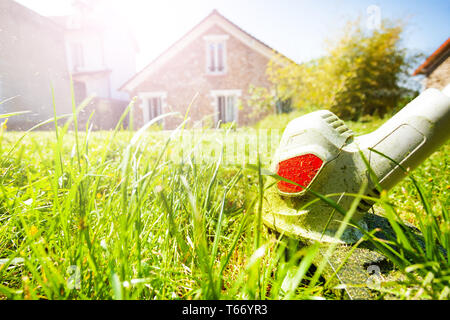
(80, 91)
(153, 104)
(77, 56)
(226, 108)
(216, 58)
(283, 106)
(216, 54)
(226, 105)
(155, 107)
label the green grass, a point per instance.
(110, 215)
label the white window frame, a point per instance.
(215, 94)
(145, 105)
(216, 40)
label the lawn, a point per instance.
(138, 215)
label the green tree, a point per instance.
(365, 72)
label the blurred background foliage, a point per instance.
(364, 73)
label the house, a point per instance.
(101, 55)
(436, 68)
(32, 61)
(216, 62)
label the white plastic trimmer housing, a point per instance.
(319, 152)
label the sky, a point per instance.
(298, 29)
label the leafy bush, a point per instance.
(363, 73)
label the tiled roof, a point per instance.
(424, 68)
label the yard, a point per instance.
(135, 215)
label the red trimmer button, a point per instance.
(301, 169)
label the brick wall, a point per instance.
(440, 77)
(185, 75)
